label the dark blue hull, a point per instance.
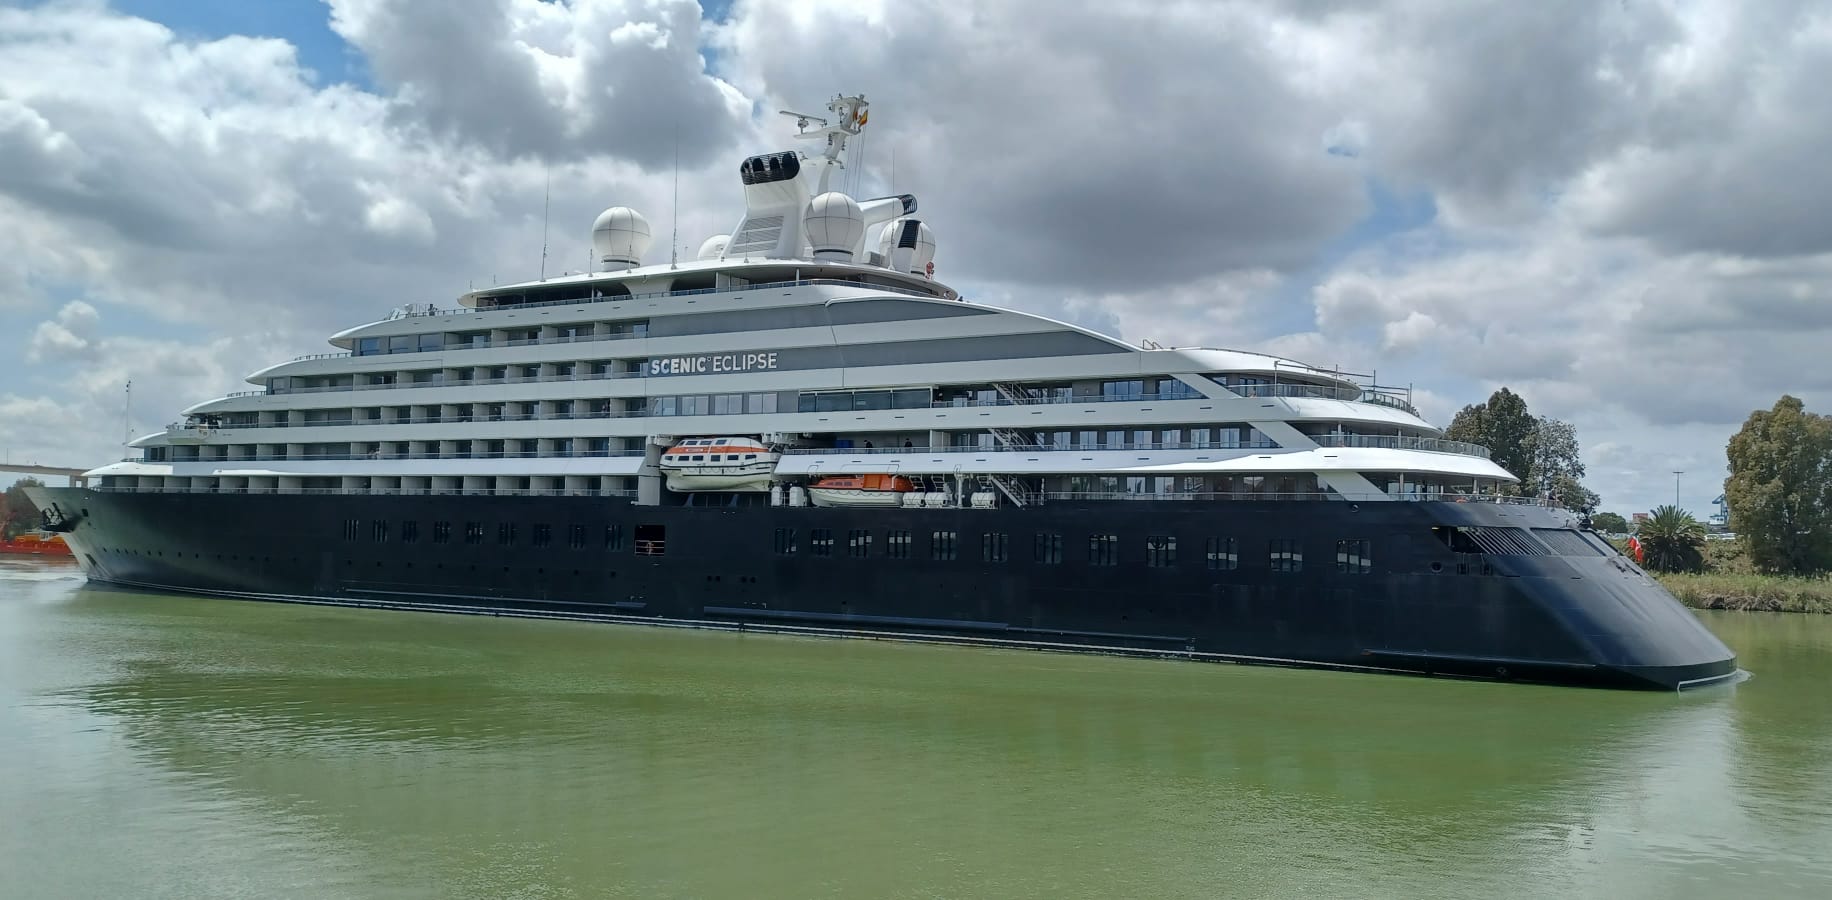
(1390, 586)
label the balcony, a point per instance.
(1395, 442)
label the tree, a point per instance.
(1504, 426)
(1780, 488)
(1542, 452)
(1609, 522)
(1554, 463)
(1672, 541)
(17, 513)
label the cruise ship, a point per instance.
(802, 431)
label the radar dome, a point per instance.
(715, 246)
(620, 236)
(835, 225)
(907, 245)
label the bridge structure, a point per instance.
(75, 475)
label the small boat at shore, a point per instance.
(36, 543)
(860, 490)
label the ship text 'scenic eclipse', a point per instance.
(718, 362)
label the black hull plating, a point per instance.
(1580, 618)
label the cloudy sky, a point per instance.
(1620, 210)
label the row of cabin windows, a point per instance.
(712, 404)
(540, 534)
(424, 343)
(1285, 555)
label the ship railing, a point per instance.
(456, 418)
(371, 491)
(1396, 442)
(1267, 444)
(1062, 400)
(1436, 497)
(391, 455)
(417, 312)
(737, 289)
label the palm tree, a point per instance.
(1672, 541)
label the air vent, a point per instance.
(1507, 541)
(1566, 543)
(760, 233)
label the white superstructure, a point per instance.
(814, 328)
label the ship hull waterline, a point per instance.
(1187, 579)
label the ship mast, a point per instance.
(849, 117)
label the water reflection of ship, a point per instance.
(1348, 759)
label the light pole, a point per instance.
(1676, 475)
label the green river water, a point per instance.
(159, 746)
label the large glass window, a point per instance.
(858, 543)
(1353, 557)
(401, 343)
(1048, 548)
(1160, 551)
(1103, 550)
(992, 546)
(1223, 554)
(368, 346)
(942, 545)
(429, 342)
(1286, 555)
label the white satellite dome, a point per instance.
(714, 247)
(835, 225)
(620, 237)
(907, 245)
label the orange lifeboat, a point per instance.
(859, 490)
(36, 544)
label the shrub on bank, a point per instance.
(1748, 591)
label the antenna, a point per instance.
(127, 418)
(674, 240)
(546, 201)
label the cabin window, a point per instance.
(651, 540)
(410, 532)
(430, 342)
(368, 346)
(1103, 550)
(442, 532)
(352, 528)
(858, 543)
(505, 533)
(1286, 555)
(1353, 557)
(542, 534)
(897, 545)
(1223, 554)
(575, 537)
(613, 537)
(1160, 551)
(378, 531)
(750, 456)
(785, 542)
(1049, 548)
(942, 544)
(992, 547)
(820, 542)
(473, 532)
